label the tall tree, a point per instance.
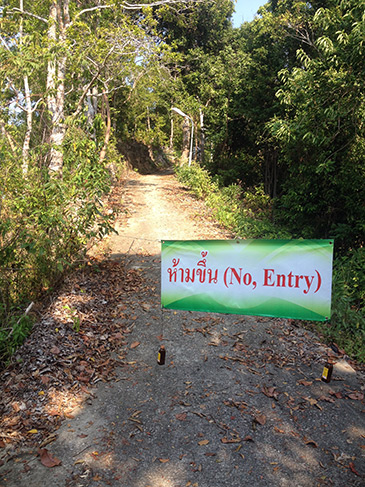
(197, 36)
(322, 134)
(110, 61)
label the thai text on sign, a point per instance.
(279, 278)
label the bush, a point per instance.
(347, 327)
(247, 214)
(44, 225)
(197, 179)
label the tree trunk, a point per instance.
(270, 180)
(171, 132)
(59, 20)
(108, 129)
(186, 139)
(202, 135)
(28, 104)
(148, 120)
(92, 104)
(26, 142)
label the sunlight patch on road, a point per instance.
(164, 475)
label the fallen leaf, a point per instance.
(117, 336)
(342, 458)
(270, 392)
(353, 469)
(278, 430)
(357, 396)
(312, 402)
(230, 440)
(135, 345)
(326, 398)
(203, 442)
(311, 443)
(54, 412)
(304, 382)
(164, 460)
(248, 438)
(260, 419)
(52, 437)
(338, 394)
(181, 416)
(55, 350)
(47, 459)
(33, 432)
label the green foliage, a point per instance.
(74, 317)
(322, 133)
(44, 225)
(278, 110)
(13, 334)
(247, 214)
(347, 326)
(197, 179)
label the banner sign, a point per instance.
(279, 278)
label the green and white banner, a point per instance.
(280, 278)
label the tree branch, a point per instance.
(89, 85)
(136, 6)
(16, 10)
(8, 137)
(107, 129)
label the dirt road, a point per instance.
(239, 401)
(158, 209)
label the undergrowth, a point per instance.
(248, 214)
(45, 224)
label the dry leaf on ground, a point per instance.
(47, 459)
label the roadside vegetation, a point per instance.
(46, 224)
(249, 214)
